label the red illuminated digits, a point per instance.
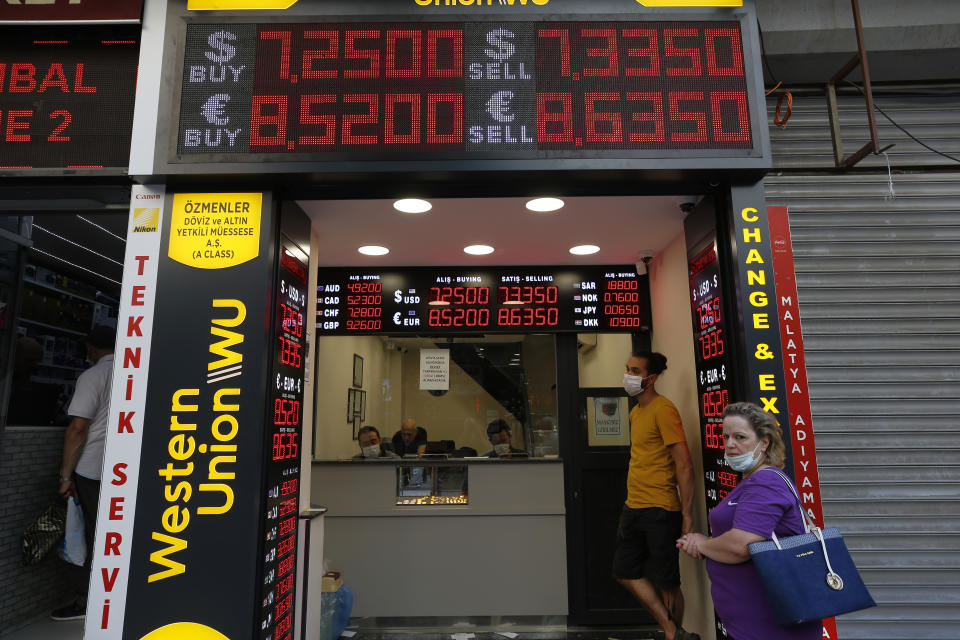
(370, 117)
(327, 121)
(284, 38)
(698, 117)
(613, 119)
(655, 116)
(308, 71)
(623, 285)
(564, 117)
(390, 135)
(365, 287)
(350, 52)
(416, 55)
(651, 52)
(455, 70)
(564, 36)
(13, 125)
(695, 68)
(22, 77)
(739, 98)
(67, 119)
(609, 52)
(456, 135)
(259, 119)
(711, 36)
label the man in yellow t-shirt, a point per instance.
(646, 561)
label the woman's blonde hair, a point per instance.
(763, 424)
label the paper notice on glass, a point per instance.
(435, 369)
(607, 421)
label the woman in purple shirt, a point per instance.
(760, 503)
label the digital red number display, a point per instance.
(68, 97)
(323, 90)
(714, 373)
(505, 299)
(282, 492)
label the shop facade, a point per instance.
(546, 547)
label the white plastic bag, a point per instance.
(73, 547)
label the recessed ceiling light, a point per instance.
(545, 205)
(478, 249)
(373, 250)
(412, 205)
(584, 249)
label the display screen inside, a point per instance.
(67, 97)
(284, 428)
(547, 89)
(496, 300)
(714, 375)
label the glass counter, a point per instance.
(433, 484)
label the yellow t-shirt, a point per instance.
(652, 477)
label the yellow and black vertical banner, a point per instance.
(757, 306)
(197, 527)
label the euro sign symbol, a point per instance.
(222, 51)
(396, 318)
(500, 38)
(498, 106)
(212, 109)
(397, 295)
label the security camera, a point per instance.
(643, 261)
(687, 204)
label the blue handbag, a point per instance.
(810, 576)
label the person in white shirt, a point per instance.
(83, 443)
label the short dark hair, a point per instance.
(368, 429)
(497, 426)
(656, 362)
(102, 337)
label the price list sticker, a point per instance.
(714, 375)
(282, 497)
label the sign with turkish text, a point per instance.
(795, 372)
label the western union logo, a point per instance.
(238, 5)
(145, 220)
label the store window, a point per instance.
(467, 394)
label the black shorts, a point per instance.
(647, 546)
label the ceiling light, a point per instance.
(584, 249)
(478, 249)
(373, 250)
(412, 205)
(545, 205)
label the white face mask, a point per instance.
(633, 385)
(502, 449)
(373, 451)
(742, 462)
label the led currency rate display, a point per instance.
(714, 374)
(429, 90)
(440, 300)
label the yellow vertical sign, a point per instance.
(215, 230)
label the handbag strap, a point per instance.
(808, 523)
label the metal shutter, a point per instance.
(879, 298)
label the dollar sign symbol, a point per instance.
(222, 50)
(397, 296)
(500, 38)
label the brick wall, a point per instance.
(28, 479)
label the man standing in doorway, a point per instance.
(646, 561)
(83, 444)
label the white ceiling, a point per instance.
(622, 227)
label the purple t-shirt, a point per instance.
(760, 504)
